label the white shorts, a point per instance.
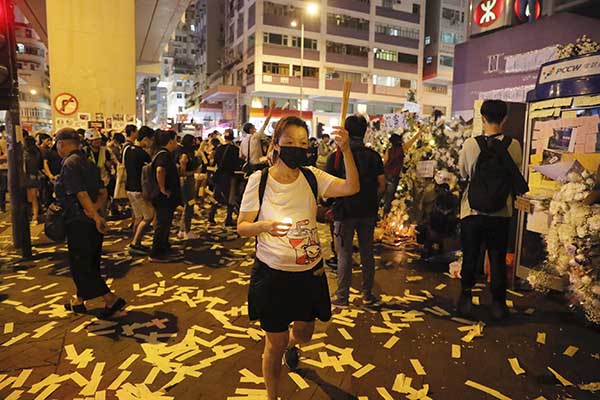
(142, 209)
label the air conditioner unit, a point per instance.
(329, 75)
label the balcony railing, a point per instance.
(347, 59)
(399, 15)
(291, 52)
(396, 66)
(338, 84)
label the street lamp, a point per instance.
(311, 9)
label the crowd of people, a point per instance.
(273, 188)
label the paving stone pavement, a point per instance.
(186, 333)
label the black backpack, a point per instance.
(496, 176)
(308, 175)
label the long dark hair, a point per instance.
(187, 143)
(280, 127)
(30, 145)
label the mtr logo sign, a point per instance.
(487, 15)
(488, 12)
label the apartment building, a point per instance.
(377, 44)
(446, 24)
(34, 78)
(179, 65)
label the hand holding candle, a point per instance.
(279, 228)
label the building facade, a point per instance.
(446, 24)
(377, 44)
(179, 65)
(34, 78)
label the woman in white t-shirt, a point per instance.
(288, 283)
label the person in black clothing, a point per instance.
(135, 156)
(80, 192)
(169, 197)
(313, 150)
(227, 161)
(46, 185)
(32, 158)
(357, 213)
(188, 164)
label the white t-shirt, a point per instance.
(300, 250)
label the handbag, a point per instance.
(55, 226)
(120, 192)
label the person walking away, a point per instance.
(490, 160)
(3, 169)
(188, 164)
(323, 152)
(357, 213)
(226, 182)
(80, 192)
(169, 198)
(32, 158)
(135, 156)
(288, 283)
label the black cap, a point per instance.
(67, 134)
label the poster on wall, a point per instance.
(84, 117)
(118, 125)
(118, 118)
(96, 124)
(130, 119)
(108, 123)
(99, 116)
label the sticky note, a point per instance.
(384, 393)
(440, 286)
(570, 351)
(514, 364)
(129, 361)
(455, 351)
(490, 391)
(9, 327)
(298, 380)
(345, 333)
(391, 342)
(475, 300)
(363, 371)
(541, 338)
(560, 378)
(416, 364)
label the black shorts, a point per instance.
(278, 298)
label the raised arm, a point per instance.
(350, 185)
(266, 123)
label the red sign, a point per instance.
(522, 10)
(66, 104)
(487, 12)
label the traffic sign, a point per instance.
(66, 104)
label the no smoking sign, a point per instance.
(66, 104)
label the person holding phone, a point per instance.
(288, 284)
(82, 195)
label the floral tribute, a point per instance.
(573, 245)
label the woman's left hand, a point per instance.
(341, 137)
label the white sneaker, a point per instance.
(191, 236)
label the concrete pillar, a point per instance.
(91, 47)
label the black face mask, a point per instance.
(293, 157)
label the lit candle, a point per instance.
(287, 220)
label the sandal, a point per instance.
(116, 307)
(76, 308)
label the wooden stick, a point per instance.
(345, 99)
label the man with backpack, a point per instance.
(135, 157)
(357, 213)
(490, 163)
(168, 196)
